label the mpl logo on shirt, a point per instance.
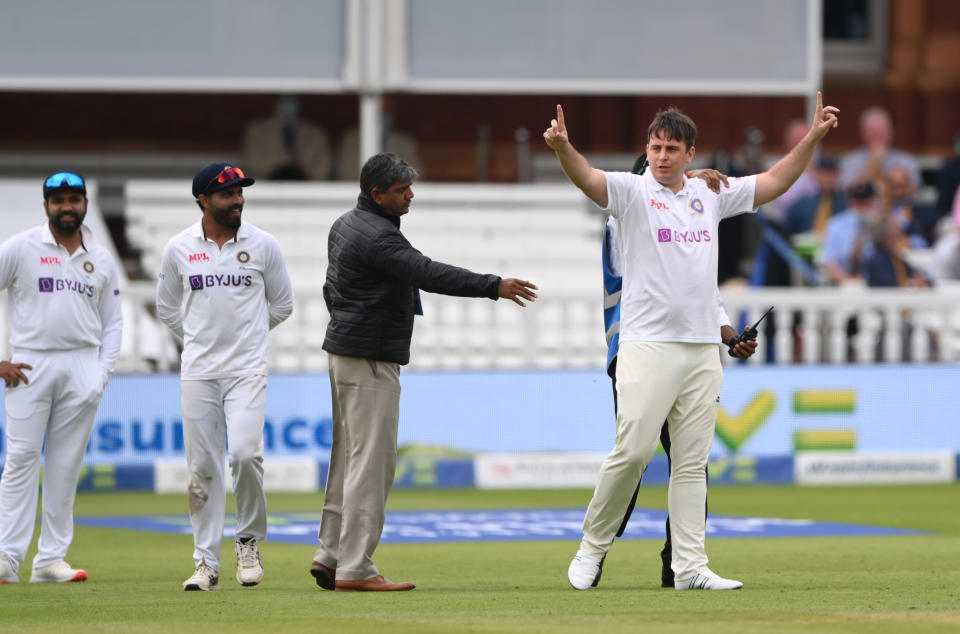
(199, 257)
(49, 259)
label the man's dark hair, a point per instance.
(675, 125)
(382, 170)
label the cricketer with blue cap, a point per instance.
(65, 320)
(61, 181)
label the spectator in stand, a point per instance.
(284, 146)
(876, 156)
(949, 179)
(847, 241)
(945, 262)
(393, 139)
(810, 213)
(886, 266)
(916, 221)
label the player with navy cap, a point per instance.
(223, 285)
(65, 325)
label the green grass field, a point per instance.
(826, 584)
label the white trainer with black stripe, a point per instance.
(205, 578)
(584, 571)
(707, 579)
(249, 566)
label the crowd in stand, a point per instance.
(849, 219)
(857, 218)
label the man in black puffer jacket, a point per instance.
(372, 291)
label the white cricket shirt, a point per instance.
(615, 265)
(668, 250)
(223, 302)
(58, 301)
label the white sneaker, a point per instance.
(584, 571)
(7, 572)
(249, 567)
(707, 579)
(205, 578)
(59, 572)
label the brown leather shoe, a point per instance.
(373, 584)
(324, 576)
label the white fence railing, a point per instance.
(565, 330)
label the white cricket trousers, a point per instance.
(679, 382)
(217, 414)
(52, 415)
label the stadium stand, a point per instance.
(545, 233)
(550, 235)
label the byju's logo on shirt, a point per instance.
(200, 282)
(51, 285)
(684, 237)
(199, 257)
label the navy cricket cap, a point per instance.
(217, 176)
(863, 191)
(63, 180)
(827, 162)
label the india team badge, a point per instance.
(243, 257)
(88, 267)
(696, 205)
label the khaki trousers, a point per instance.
(363, 460)
(679, 382)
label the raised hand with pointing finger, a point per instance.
(556, 135)
(591, 181)
(825, 118)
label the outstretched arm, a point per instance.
(787, 170)
(516, 290)
(591, 181)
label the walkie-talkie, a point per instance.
(748, 335)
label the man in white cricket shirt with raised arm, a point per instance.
(668, 366)
(65, 327)
(222, 286)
